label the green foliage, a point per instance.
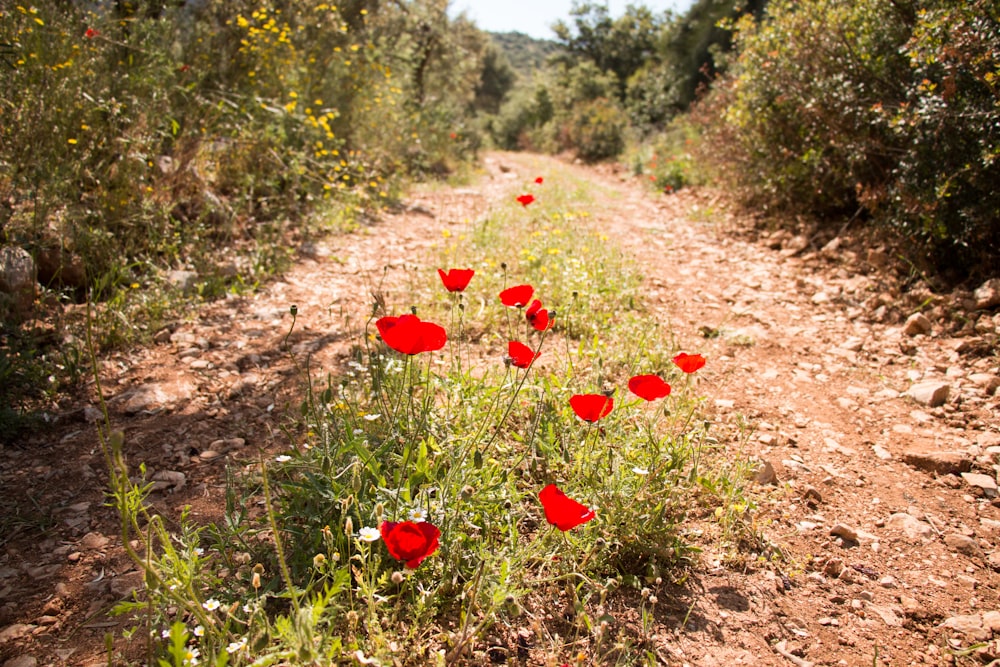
(891, 107)
(597, 130)
(525, 54)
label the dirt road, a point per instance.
(860, 420)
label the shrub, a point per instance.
(597, 130)
(888, 106)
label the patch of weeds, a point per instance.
(443, 484)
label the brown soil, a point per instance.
(886, 555)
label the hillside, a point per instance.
(525, 53)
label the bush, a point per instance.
(889, 107)
(597, 130)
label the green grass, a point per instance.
(465, 442)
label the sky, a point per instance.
(533, 17)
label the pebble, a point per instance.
(987, 295)
(845, 532)
(912, 527)
(932, 393)
(22, 661)
(964, 545)
(917, 324)
(939, 462)
(94, 541)
(985, 482)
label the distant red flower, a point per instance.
(520, 354)
(689, 363)
(524, 200)
(407, 334)
(539, 180)
(562, 511)
(183, 68)
(91, 33)
(591, 407)
(456, 280)
(409, 541)
(649, 387)
(538, 316)
(517, 296)
(453, 135)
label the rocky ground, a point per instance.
(868, 402)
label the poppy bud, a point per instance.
(552, 314)
(575, 294)
(507, 361)
(413, 309)
(461, 306)
(467, 492)
(379, 511)
(258, 569)
(503, 265)
(609, 392)
(294, 310)
(600, 543)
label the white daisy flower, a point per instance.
(284, 458)
(416, 515)
(199, 631)
(211, 604)
(371, 418)
(367, 534)
(640, 471)
(236, 646)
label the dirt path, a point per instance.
(808, 371)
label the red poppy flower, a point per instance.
(409, 541)
(538, 316)
(524, 200)
(520, 354)
(456, 280)
(649, 387)
(453, 135)
(517, 296)
(562, 511)
(407, 334)
(591, 407)
(539, 180)
(689, 363)
(91, 33)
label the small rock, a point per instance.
(844, 532)
(833, 568)
(22, 661)
(994, 560)
(827, 620)
(988, 381)
(987, 295)
(159, 395)
(970, 625)
(881, 452)
(17, 277)
(820, 297)
(887, 582)
(888, 616)
(183, 280)
(985, 482)
(165, 479)
(932, 394)
(15, 631)
(124, 585)
(765, 474)
(941, 463)
(991, 621)
(917, 324)
(811, 493)
(912, 527)
(963, 544)
(93, 541)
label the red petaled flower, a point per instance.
(562, 511)
(539, 180)
(517, 296)
(407, 334)
(591, 407)
(524, 200)
(538, 316)
(91, 33)
(520, 354)
(409, 541)
(689, 363)
(456, 280)
(649, 387)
